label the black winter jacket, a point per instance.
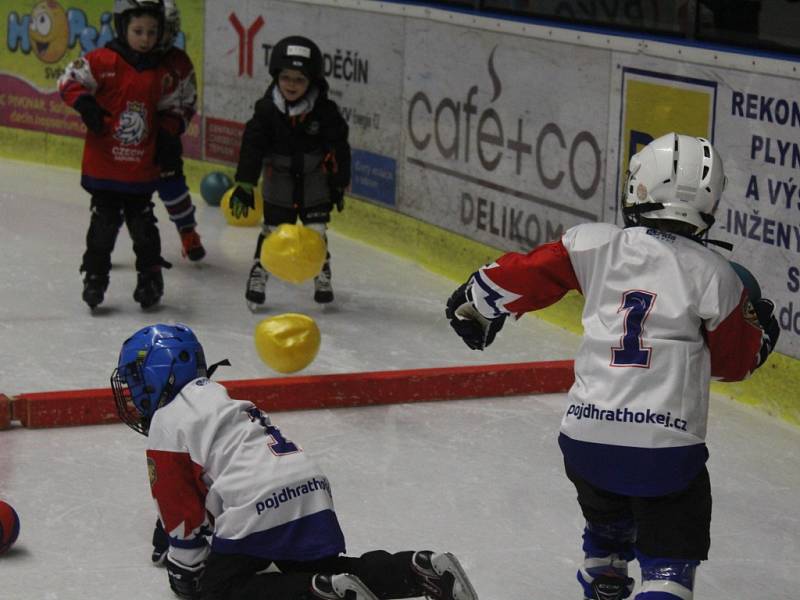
(295, 152)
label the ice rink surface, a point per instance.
(480, 478)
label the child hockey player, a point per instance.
(302, 137)
(218, 467)
(116, 90)
(663, 314)
(176, 109)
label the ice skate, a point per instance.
(442, 576)
(323, 290)
(256, 286)
(340, 587)
(94, 289)
(610, 587)
(192, 246)
(605, 578)
(149, 288)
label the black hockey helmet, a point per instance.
(298, 53)
(125, 9)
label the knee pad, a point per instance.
(106, 219)
(666, 578)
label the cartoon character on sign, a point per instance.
(49, 31)
(132, 127)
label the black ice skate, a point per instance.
(94, 289)
(442, 576)
(323, 290)
(340, 587)
(610, 587)
(256, 286)
(149, 287)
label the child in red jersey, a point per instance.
(116, 90)
(176, 109)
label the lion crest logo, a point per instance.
(132, 128)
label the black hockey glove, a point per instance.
(769, 324)
(169, 150)
(477, 331)
(242, 200)
(337, 198)
(92, 114)
(184, 581)
(160, 544)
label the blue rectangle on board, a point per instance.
(374, 177)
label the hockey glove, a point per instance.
(168, 153)
(183, 580)
(769, 324)
(160, 544)
(477, 331)
(242, 199)
(337, 198)
(92, 114)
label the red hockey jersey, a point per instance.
(179, 101)
(121, 158)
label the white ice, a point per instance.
(481, 478)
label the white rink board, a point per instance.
(363, 62)
(501, 143)
(508, 133)
(754, 124)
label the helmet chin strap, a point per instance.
(212, 368)
(632, 213)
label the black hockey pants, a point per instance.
(238, 577)
(109, 210)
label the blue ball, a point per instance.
(749, 281)
(213, 186)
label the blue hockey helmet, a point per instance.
(154, 365)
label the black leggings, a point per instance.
(239, 577)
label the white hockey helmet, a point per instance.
(675, 177)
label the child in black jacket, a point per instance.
(298, 139)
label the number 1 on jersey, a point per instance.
(631, 353)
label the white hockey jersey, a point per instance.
(663, 315)
(218, 465)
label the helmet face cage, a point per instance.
(123, 397)
(676, 178)
(154, 365)
(125, 9)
